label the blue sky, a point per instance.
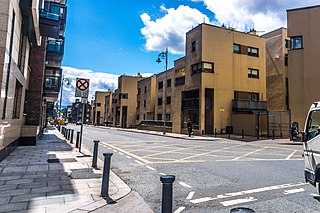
(105, 38)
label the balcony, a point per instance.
(52, 19)
(55, 49)
(248, 105)
(52, 82)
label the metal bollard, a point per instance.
(167, 181)
(78, 139)
(65, 133)
(95, 153)
(106, 174)
(273, 134)
(215, 132)
(62, 130)
(69, 134)
(229, 135)
(242, 133)
(72, 131)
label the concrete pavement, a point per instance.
(54, 177)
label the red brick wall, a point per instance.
(34, 97)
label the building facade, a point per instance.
(99, 106)
(304, 63)
(146, 98)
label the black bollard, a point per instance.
(62, 130)
(65, 133)
(95, 153)
(71, 139)
(69, 134)
(229, 135)
(167, 181)
(273, 134)
(78, 139)
(215, 132)
(106, 174)
(242, 133)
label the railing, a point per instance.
(49, 15)
(246, 105)
(55, 46)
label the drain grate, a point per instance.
(65, 160)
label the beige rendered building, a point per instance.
(146, 99)
(304, 63)
(220, 84)
(124, 101)
(108, 109)
(98, 107)
(277, 45)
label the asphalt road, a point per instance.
(211, 176)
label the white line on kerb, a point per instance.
(184, 184)
(128, 157)
(114, 150)
(180, 209)
(162, 173)
(190, 195)
(149, 167)
(109, 148)
(292, 191)
(120, 153)
(139, 162)
(238, 201)
(204, 199)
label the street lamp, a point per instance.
(164, 55)
(68, 83)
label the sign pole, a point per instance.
(83, 100)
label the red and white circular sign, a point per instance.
(82, 84)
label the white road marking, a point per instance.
(190, 195)
(109, 148)
(104, 146)
(263, 189)
(314, 195)
(184, 185)
(238, 201)
(120, 153)
(292, 191)
(180, 209)
(162, 173)
(149, 167)
(201, 200)
(128, 157)
(139, 162)
(114, 150)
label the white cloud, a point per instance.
(99, 81)
(262, 15)
(169, 31)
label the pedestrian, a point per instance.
(189, 127)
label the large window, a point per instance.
(159, 117)
(296, 42)
(253, 73)
(193, 46)
(123, 96)
(252, 51)
(169, 83)
(160, 85)
(237, 48)
(159, 101)
(168, 100)
(17, 100)
(202, 67)
(180, 81)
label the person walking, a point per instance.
(189, 127)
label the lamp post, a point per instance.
(68, 83)
(164, 55)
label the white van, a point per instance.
(311, 144)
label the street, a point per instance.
(211, 176)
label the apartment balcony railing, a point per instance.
(55, 49)
(52, 19)
(248, 106)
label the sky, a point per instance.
(106, 39)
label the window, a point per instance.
(98, 104)
(139, 91)
(137, 118)
(168, 117)
(169, 83)
(253, 51)
(159, 101)
(123, 96)
(246, 96)
(160, 85)
(144, 117)
(296, 42)
(22, 50)
(193, 46)
(17, 100)
(180, 81)
(313, 124)
(138, 105)
(253, 73)
(286, 59)
(145, 89)
(286, 43)
(237, 48)
(159, 117)
(202, 67)
(169, 100)
(144, 103)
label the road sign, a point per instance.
(82, 87)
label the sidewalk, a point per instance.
(54, 177)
